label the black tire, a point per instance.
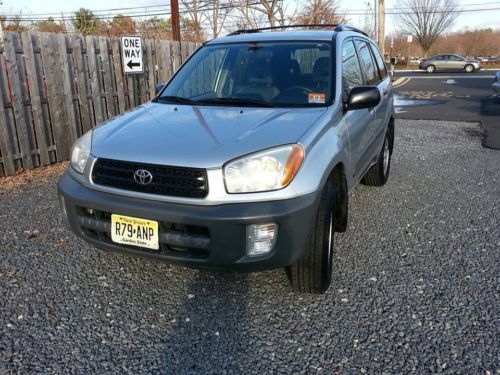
(313, 272)
(430, 69)
(378, 174)
(469, 68)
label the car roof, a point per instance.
(309, 35)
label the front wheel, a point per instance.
(469, 68)
(313, 272)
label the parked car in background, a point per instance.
(245, 158)
(496, 84)
(449, 62)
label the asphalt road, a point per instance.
(451, 96)
(415, 288)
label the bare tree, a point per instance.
(321, 11)
(197, 14)
(246, 17)
(368, 24)
(272, 9)
(426, 20)
(219, 11)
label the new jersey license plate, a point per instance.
(133, 231)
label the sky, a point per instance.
(468, 20)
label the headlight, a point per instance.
(267, 170)
(81, 151)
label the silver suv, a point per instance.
(244, 160)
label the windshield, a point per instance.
(255, 74)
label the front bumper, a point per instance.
(194, 235)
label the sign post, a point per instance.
(132, 61)
(410, 39)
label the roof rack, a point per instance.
(335, 26)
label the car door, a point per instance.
(445, 63)
(371, 77)
(358, 121)
(382, 110)
(439, 62)
(456, 62)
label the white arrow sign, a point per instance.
(450, 81)
(132, 54)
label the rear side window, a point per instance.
(367, 63)
(351, 71)
(380, 62)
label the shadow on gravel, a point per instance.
(212, 334)
(489, 119)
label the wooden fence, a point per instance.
(55, 87)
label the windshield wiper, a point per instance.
(175, 99)
(237, 101)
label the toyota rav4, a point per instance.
(245, 159)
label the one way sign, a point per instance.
(132, 54)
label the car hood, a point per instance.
(198, 136)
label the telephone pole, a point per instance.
(381, 26)
(176, 26)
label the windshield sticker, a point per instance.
(316, 98)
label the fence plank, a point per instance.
(176, 55)
(20, 118)
(108, 88)
(164, 61)
(42, 83)
(81, 84)
(36, 104)
(67, 78)
(53, 72)
(119, 76)
(150, 69)
(99, 109)
(5, 140)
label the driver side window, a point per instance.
(351, 71)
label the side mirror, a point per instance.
(363, 97)
(159, 87)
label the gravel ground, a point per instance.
(415, 286)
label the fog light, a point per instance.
(261, 238)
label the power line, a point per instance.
(133, 14)
(125, 9)
(148, 14)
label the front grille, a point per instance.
(176, 240)
(167, 180)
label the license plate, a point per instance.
(133, 231)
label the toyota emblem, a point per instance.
(143, 177)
